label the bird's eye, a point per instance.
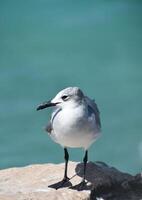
(65, 97)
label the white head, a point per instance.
(70, 96)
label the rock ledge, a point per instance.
(39, 182)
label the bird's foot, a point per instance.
(63, 183)
(80, 186)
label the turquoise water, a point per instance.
(48, 45)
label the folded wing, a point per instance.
(94, 108)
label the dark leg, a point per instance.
(85, 159)
(83, 183)
(66, 157)
(65, 182)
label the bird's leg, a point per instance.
(82, 184)
(85, 159)
(66, 157)
(65, 181)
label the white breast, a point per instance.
(73, 128)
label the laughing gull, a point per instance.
(75, 123)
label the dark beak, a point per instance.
(46, 105)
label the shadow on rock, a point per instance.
(60, 184)
(92, 172)
(106, 182)
(109, 183)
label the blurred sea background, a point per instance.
(48, 45)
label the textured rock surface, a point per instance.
(39, 182)
(33, 183)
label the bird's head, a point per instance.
(70, 96)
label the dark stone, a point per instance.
(111, 184)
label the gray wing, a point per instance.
(49, 128)
(94, 108)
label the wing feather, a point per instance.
(93, 106)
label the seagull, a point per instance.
(75, 123)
